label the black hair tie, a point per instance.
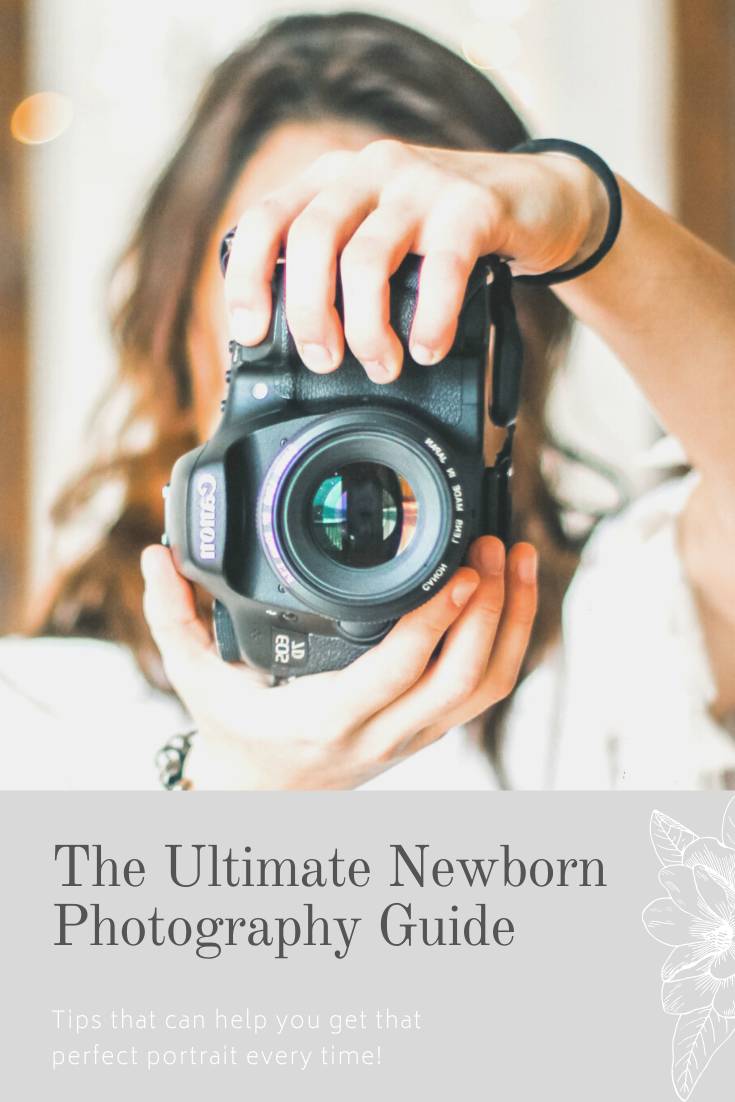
(610, 184)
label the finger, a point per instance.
(314, 241)
(516, 622)
(257, 243)
(454, 244)
(444, 275)
(510, 646)
(390, 669)
(470, 640)
(368, 261)
(168, 605)
(317, 236)
(260, 235)
(461, 666)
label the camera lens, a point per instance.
(363, 515)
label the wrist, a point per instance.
(197, 761)
(591, 176)
(209, 765)
(597, 207)
(586, 195)
(171, 761)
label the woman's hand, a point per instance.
(363, 212)
(337, 730)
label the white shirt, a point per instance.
(621, 703)
(624, 702)
(78, 714)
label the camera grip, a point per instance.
(224, 634)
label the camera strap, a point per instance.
(505, 394)
(507, 344)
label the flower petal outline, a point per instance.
(711, 853)
(722, 966)
(681, 884)
(687, 959)
(716, 893)
(686, 994)
(724, 1001)
(670, 925)
(728, 825)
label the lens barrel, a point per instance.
(363, 516)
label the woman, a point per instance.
(346, 136)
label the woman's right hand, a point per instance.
(352, 217)
(337, 730)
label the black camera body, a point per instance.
(324, 507)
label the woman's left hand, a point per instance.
(336, 730)
(363, 212)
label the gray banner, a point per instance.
(550, 990)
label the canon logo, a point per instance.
(206, 488)
(438, 573)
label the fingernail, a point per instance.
(463, 590)
(247, 327)
(492, 557)
(378, 372)
(527, 568)
(423, 355)
(317, 356)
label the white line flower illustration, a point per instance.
(697, 919)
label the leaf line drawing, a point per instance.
(697, 921)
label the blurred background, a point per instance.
(94, 93)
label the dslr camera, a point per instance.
(324, 507)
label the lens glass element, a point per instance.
(363, 515)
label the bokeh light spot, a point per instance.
(41, 118)
(491, 45)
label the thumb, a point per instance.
(168, 606)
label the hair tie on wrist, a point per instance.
(605, 174)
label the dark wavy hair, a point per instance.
(348, 66)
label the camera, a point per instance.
(324, 507)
